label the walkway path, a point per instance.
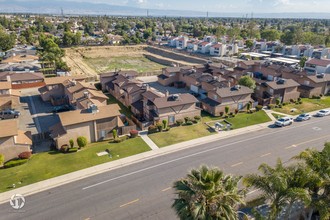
(145, 138)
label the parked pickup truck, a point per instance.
(284, 121)
(9, 114)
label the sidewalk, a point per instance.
(149, 142)
(77, 175)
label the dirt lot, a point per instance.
(95, 60)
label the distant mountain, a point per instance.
(84, 8)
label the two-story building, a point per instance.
(314, 66)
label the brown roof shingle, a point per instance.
(183, 99)
(8, 128)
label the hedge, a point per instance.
(134, 133)
(15, 162)
(25, 155)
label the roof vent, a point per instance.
(280, 81)
(236, 87)
(320, 76)
(174, 97)
(93, 109)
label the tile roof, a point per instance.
(183, 99)
(319, 62)
(172, 69)
(287, 84)
(62, 79)
(229, 92)
(5, 85)
(319, 79)
(23, 137)
(20, 58)
(21, 76)
(82, 116)
(8, 128)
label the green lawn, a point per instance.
(124, 110)
(185, 133)
(180, 134)
(308, 105)
(47, 165)
(277, 115)
(140, 64)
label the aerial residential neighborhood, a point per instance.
(138, 110)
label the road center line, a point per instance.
(237, 164)
(305, 142)
(190, 155)
(166, 189)
(129, 203)
(264, 155)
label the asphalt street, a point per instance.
(143, 190)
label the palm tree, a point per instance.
(282, 186)
(318, 164)
(207, 193)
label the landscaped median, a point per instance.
(47, 165)
(188, 132)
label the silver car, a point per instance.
(284, 121)
(323, 112)
(303, 117)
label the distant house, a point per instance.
(192, 45)
(218, 50)
(235, 97)
(107, 78)
(318, 66)
(169, 76)
(20, 59)
(12, 140)
(204, 47)
(94, 123)
(181, 42)
(22, 80)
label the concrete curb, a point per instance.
(101, 168)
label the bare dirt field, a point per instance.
(92, 61)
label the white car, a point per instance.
(323, 112)
(284, 121)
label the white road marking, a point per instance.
(166, 189)
(192, 155)
(131, 202)
(236, 164)
(264, 155)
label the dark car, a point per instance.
(9, 114)
(62, 108)
(303, 117)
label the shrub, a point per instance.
(299, 99)
(121, 139)
(300, 102)
(72, 150)
(236, 111)
(278, 101)
(64, 148)
(152, 129)
(134, 133)
(2, 159)
(226, 110)
(189, 123)
(195, 121)
(159, 127)
(284, 104)
(280, 105)
(179, 122)
(271, 106)
(221, 114)
(71, 142)
(81, 141)
(186, 119)
(164, 124)
(114, 133)
(168, 128)
(316, 97)
(197, 117)
(292, 100)
(25, 155)
(248, 106)
(258, 107)
(321, 95)
(15, 162)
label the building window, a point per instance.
(215, 97)
(171, 119)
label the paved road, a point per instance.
(142, 190)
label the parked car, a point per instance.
(323, 112)
(9, 114)
(284, 121)
(62, 108)
(303, 117)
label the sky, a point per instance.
(241, 6)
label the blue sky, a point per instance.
(241, 6)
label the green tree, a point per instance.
(82, 141)
(319, 181)
(114, 134)
(302, 62)
(207, 193)
(270, 34)
(164, 124)
(7, 41)
(281, 186)
(247, 81)
(226, 110)
(249, 43)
